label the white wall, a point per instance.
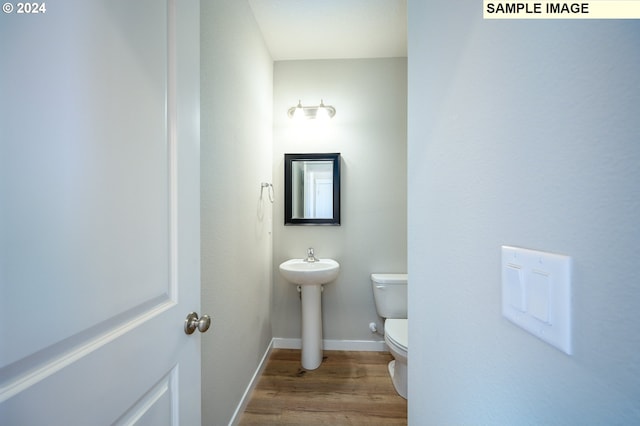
(237, 102)
(369, 130)
(522, 133)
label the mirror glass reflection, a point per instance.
(312, 189)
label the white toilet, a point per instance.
(390, 295)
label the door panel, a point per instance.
(99, 213)
(96, 165)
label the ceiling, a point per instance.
(332, 29)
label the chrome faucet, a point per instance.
(310, 256)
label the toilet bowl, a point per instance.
(396, 337)
(390, 295)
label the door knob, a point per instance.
(192, 322)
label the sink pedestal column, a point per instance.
(311, 326)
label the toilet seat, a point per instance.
(397, 332)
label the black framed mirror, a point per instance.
(312, 189)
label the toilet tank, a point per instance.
(390, 294)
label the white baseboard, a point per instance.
(244, 401)
(333, 345)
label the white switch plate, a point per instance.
(536, 294)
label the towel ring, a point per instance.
(264, 185)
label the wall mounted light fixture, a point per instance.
(311, 112)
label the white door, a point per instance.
(324, 198)
(99, 212)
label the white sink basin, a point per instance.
(299, 272)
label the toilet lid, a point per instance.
(390, 278)
(397, 330)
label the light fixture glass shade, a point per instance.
(322, 113)
(298, 113)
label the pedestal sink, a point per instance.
(310, 276)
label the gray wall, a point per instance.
(236, 96)
(522, 133)
(369, 130)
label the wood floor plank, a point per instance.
(349, 388)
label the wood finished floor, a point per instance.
(349, 388)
